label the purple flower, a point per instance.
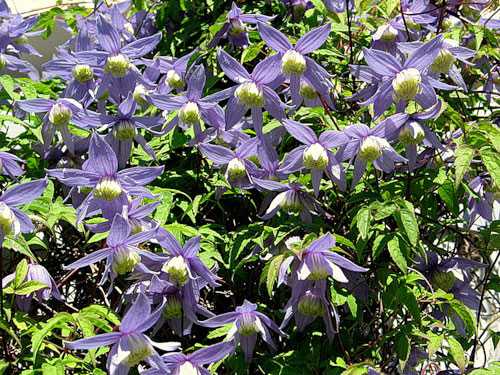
(338, 6)
(309, 301)
(317, 261)
(117, 61)
(253, 91)
(191, 107)
(400, 83)
(411, 131)
(124, 130)
(247, 322)
(445, 61)
(192, 363)
(57, 114)
(12, 220)
(9, 165)
(315, 155)
(122, 253)
(482, 203)
(291, 198)
(234, 28)
(239, 169)
(130, 345)
(367, 145)
(136, 214)
(181, 305)
(183, 264)
(294, 60)
(100, 173)
(36, 272)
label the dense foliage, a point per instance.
(270, 187)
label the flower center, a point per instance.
(307, 91)
(247, 325)
(412, 134)
(311, 305)
(139, 94)
(83, 73)
(177, 270)
(443, 62)
(236, 169)
(315, 157)
(293, 62)
(118, 66)
(406, 85)
(187, 368)
(189, 114)
(371, 148)
(107, 189)
(7, 219)
(249, 94)
(291, 203)
(174, 80)
(443, 280)
(387, 33)
(124, 261)
(173, 308)
(60, 115)
(124, 130)
(140, 349)
(237, 27)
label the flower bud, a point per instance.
(293, 62)
(236, 169)
(189, 114)
(249, 94)
(107, 189)
(60, 115)
(311, 305)
(247, 325)
(173, 308)
(174, 80)
(177, 270)
(315, 157)
(387, 33)
(124, 130)
(8, 221)
(140, 349)
(406, 85)
(411, 134)
(291, 202)
(443, 280)
(443, 62)
(83, 73)
(124, 261)
(3, 61)
(307, 91)
(118, 66)
(372, 147)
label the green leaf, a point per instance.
(363, 222)
(353, 305)
(21, 272)
(29, 287)
(406, 215)
(272, 272)
(491, 160)
(47, 328)
(458, 354)
(5, 327)
(397, 256)
(219, 332)
(466, 315)
(402, 343)
(448, 195)
(435, 342)
(251, 52)
(463, 158)
(9, 85)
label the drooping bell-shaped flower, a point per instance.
(130, 346)
(247, 324)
